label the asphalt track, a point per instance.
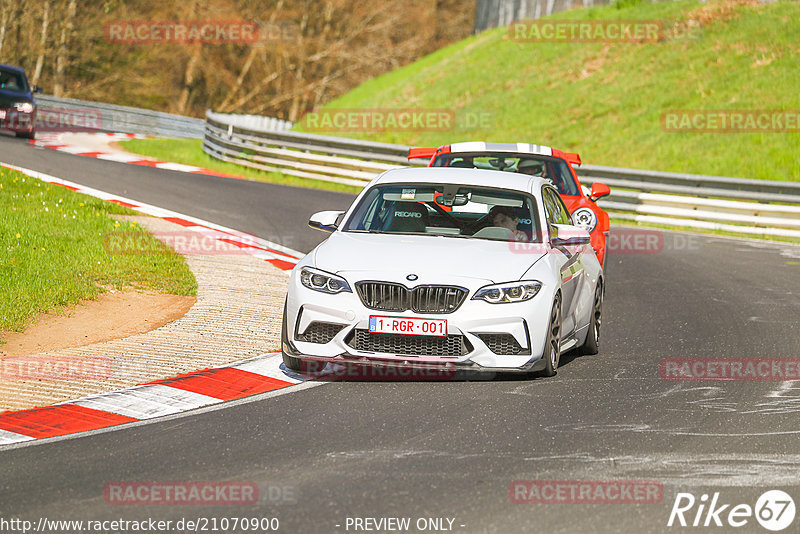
(450, 449)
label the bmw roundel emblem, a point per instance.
(411, 277)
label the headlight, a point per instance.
(24, 107)
(584, 218)
(508, 292)
(322, 281)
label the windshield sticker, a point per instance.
(409, 194)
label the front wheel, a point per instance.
(592, 343)
(25, 135)
(552, 348)
(290, 362)
(296, 364)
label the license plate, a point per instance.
(410, 326)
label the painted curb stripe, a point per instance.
(58, 420)
(269, 366)
(227, 383)
(162, 397)
(54, 142)
(147, 402)
(7, 437)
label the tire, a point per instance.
(552, 349)
(292, 363)
(25, 135)
(592, 343)
(296, 364)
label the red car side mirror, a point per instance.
(599, 190)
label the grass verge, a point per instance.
(190, 152)
(606, 100)
(53, 251)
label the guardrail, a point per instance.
(737, 205)
(125, 119)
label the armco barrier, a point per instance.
(738, 205)
(125, 119)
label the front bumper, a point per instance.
(481, 336)
(17, 121)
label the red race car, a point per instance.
(535, 160)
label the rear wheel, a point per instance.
(552, 348)
(592, 343)
(25, 135)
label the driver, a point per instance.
(531, 167)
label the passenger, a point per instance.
(504, 217)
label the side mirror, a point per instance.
(599, 190)
(325, 220)
(566, 235)
(37, 89)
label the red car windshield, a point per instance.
(553, 169)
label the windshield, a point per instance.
(12, 81)
(553, 169)
(446, 210)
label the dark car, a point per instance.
(17, 106)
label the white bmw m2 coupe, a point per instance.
(446, 268)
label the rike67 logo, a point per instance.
(774, 510)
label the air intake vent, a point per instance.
(503, 344)
(318, 332)
(453, 345)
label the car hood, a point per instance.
(434, 259)
(8, 98)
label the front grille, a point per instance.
(502, 344)
(383, 296)
(452, 345)
(387, 296)
(318, 332)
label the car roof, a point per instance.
(462, 176)
(480, 146)
(20, 70)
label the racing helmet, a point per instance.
(530, 166)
